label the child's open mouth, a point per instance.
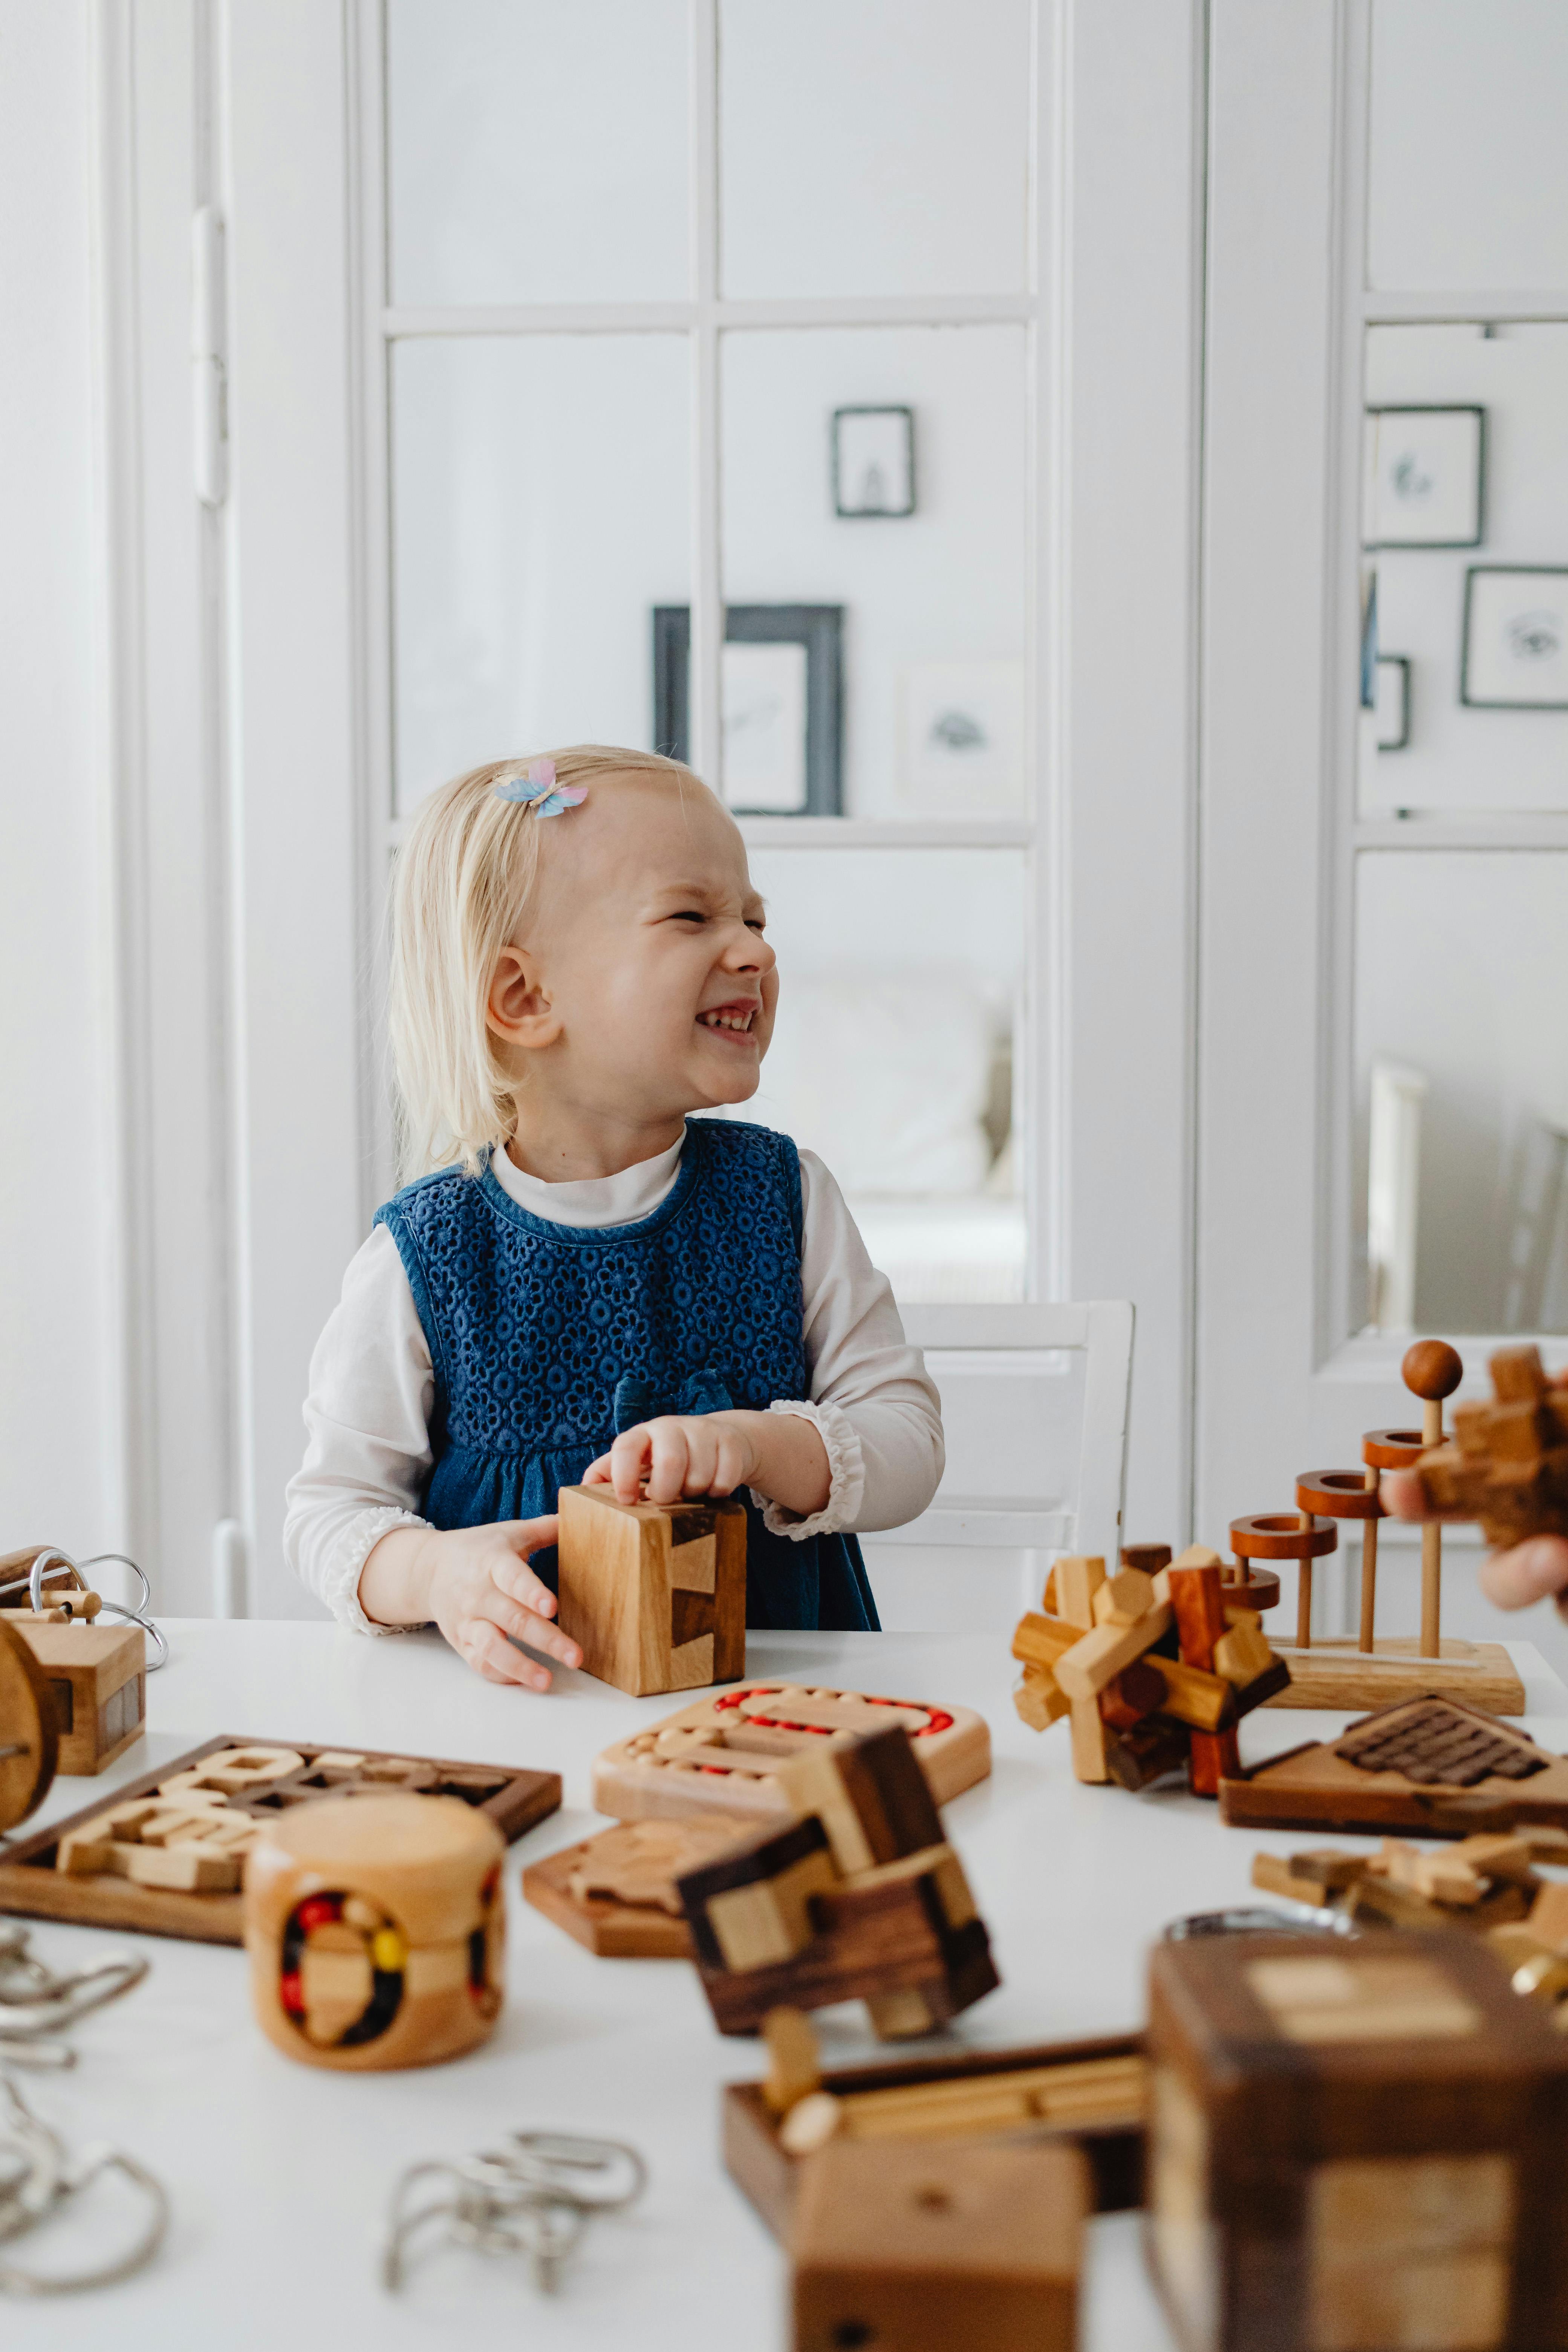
(729, 1020)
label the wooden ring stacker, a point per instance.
(1349, 1495)
(1281, 1535)
(30, 1738)
(1432, 1370)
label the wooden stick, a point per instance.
(1110, 2090)
(1432, 1546)
(1369, 1573)
(1025, 2082)
(1304, 1594)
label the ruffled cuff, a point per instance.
(339, 1585)
(847, 1473)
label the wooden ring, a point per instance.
(1279, 1534)
(1338, 1495)
(1249, 1588)
(1392, 1449)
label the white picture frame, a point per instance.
(873, 463)
(1426, 476)
(1515, 653)
(961, 737)
(763, 694)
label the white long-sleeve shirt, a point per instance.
(368, 1456)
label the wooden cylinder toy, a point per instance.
(376, 1929)
(1300, 1535)
(1432, 1370)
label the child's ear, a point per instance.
(518, 1007)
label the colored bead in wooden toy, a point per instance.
(375, 1927)
(654, 1595)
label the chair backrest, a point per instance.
(1035, 1403)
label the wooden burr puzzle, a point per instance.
(1354, 2149)
(1153, 1667)
(375, 1927)
(1507, 1464)
(857, 1896)
(1373, 1669)
(656, 1597)
(166, 1855)
(1425, 1764)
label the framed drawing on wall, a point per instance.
(783, 700)
(1426, 476)
(873, 462)
(1516, 637)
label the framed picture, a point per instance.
(1516, 637)
(780, 686)
(873, 461)
(962, 738)
(1426, 476)
(1391, 732)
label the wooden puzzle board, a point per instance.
(721, 1753)
(32, 1884)
(615, 1893)
(1318, 1787)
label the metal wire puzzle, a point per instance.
(54, 1575)
(36, 2004)
(534, 2195)
(38, 2175)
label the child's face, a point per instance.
(653, 988)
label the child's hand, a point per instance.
(1515, 1579)
(475, 1583)
(679, 1455)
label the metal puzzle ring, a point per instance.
(14, 2281)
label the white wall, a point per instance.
(58, 1468)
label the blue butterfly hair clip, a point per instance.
(537, 789)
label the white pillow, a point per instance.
(884, 1074)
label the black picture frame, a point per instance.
(819, 628)
(1473, 572)
(874, 514)
(1442, 408)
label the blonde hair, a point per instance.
(462, 882)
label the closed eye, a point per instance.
(686, 915)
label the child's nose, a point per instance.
(748, 951)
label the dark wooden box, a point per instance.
(1354, 2148)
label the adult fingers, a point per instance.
(1527, 1573)
(490, 1654)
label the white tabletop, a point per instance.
(281, 2174)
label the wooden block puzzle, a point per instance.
(1138, 1714)
(655, 1595)
(1506, 1464)
(1353, 2150)
(376, 1930)
(855, 1897)
(97, 1677)
(1423, 1764)
(725, 1754)
(166, 1855)
(617, 1892)
(1482, 1883)
(29, 1740)
(927, 2248)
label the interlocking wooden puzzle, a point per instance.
(1507, 1464)
(616, 1892)
(723, 1754)
(858, 1896)
(1153, 1670)
(166, 1855)
(1430, 1764)
(1354, 2148)
(655, 1595)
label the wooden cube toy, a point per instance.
(376, 1930)
(1353, 2149)
(97, 1677)
(655, 1595)
(939, 2248)
(29, 1742)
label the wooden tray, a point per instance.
(767, 2173)
(611, 1927)
(30, 1884)
(1316, 1786)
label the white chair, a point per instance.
(1035, 1403)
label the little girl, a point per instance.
(586, 1286)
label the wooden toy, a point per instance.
(927, 2248)
(1090, 2093)
(617, 1892)
(97, 1679)
(1139, 1714)
(1369, 1671)
(655, 1595)
(29, 1745)
(1425, 1764)
(1484, 1881)
(722, 1754)
(857, 1896)
(376, 1930)
(166, 1853)
(1507, 1464)
(1354, 2149)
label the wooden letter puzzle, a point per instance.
(656, 1597)
(858, 1896)
(1354, 2149)
(1506, 1464)
(1428, 1764)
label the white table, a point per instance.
(281, 2174)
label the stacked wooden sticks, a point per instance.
(1154, 1670)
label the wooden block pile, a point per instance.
(1153, 1670)
(857, 1896)
(1506, 1462)
(1488, 1884)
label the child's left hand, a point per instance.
(679, 1455)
